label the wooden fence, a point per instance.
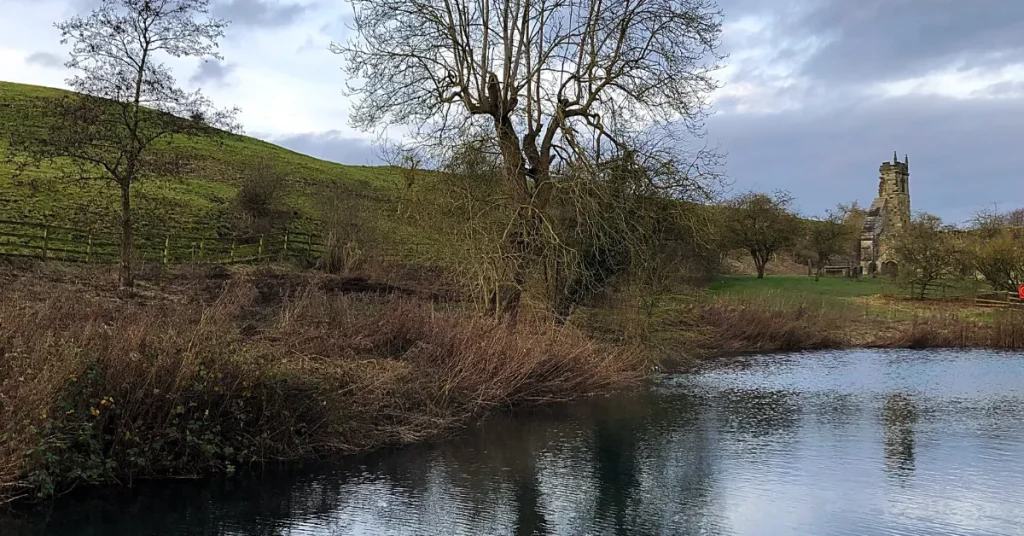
(44, 241)
(998, 299)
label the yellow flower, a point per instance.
(42, 415)
(94, 411)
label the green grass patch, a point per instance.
(196, 204)
(840, 287)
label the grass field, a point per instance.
(868, 297)
(750, 286)
(195, 204)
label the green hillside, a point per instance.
(199, 203)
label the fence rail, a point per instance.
(998, 299)
(54, 242)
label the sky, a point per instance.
(816, 93)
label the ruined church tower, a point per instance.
(889, 214)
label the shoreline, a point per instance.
(205, 374)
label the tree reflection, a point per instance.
(530, 520)
(899, 414)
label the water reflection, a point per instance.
(899, 415)
(792, 445)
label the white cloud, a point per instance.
(976, 83)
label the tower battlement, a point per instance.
(896, 165)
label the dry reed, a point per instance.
(95, 389)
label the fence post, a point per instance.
(202, 247)
(167, 249)
(232, 249)
(309, 246)
(259, 255)
(193, 252)
(46, 241)
(286, 243)
(88, 250)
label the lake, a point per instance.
(826, 443)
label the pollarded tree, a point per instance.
(761, 224)
(128, 104)
(552, 80)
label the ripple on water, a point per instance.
(823, 444)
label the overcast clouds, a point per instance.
(818, 92)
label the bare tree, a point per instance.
(926, 253)
(761, 224)
(826, 237)
(996, 248)
(129, 104)
(553, 81)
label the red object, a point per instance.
(1020, 292)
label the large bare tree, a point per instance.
(128, 103)
(552, 80)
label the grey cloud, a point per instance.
(44, 59)
(212, 72)
(884, 39)
(866, 41)
(333, 146)
(262, 13)
(964, 155)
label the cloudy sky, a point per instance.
(817, 92)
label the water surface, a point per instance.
(847, 443)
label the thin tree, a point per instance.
(552, 80)
(128, 105)
(762, 225)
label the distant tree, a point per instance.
(926, 252)
(852, 215)
(553, 82)
(129, 105)
(761, 224)
(825, 238)
(996, 248)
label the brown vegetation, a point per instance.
(208, 373)
(733, 327)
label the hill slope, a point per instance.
(194, 204)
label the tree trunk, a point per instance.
(522, 239)
(126, 280)
(759, 263)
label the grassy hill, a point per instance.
(195, 204)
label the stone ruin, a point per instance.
(888, 215)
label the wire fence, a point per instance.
(68, 244)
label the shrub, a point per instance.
(259, 204)
(351, 235)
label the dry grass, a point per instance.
(744, 327)
(1005, 331)
(761, 326)
(216, 374)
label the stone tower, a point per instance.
(889, 214)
